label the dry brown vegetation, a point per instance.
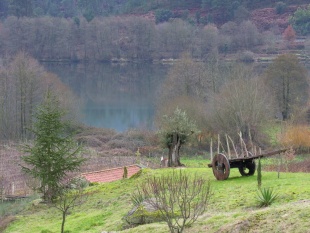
(301, 166)
(297, 136)
(103, 148)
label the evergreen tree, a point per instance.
(20, 8)
(259, 174)
(53, 152)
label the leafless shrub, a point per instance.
(119, 152)
(89, 141)
(246, 56)
(68, 199)
(180, 198)
(97, 132)
(242, 105)
(117, 143)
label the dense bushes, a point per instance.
(280, 7)
(162, 15)
(298, 137)
(301, 21)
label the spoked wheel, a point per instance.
(247, 168)
(220, 167)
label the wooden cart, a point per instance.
(221, 165)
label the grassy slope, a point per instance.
(233, 207)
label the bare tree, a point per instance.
(180, 198)
(20, 92)
(242, 105)
(185, 78)
(22, 84)
(287, 79)
(68, 199)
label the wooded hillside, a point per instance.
(204, 11)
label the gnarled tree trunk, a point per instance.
(174, 151)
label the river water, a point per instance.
(116, 96)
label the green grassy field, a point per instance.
(233, 206)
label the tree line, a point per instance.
(218, 11)
(232, 98)
(23, 83)
(105, 39)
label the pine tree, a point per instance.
(53, 152)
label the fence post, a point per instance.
(13, 188)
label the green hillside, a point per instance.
(233, 206)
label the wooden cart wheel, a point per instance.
(247, 168)
(220, 167)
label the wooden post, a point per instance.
(233, 146)
(211, 150)
(251, 142)
(228, 149)
(218, 143)
(243, 146)
(13, 188)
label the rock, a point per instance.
(143, 214)
(36, 202)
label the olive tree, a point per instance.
(175, 130)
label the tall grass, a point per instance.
(15, 207)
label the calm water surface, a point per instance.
(117, 96)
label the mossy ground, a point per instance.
(233, 206)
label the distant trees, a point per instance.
(185, 78)
(27, 73)
(205, 42)
(224, 8)
(241, 105)
(21, 91)
(280, 7)
(287, 79)
(162, 15)
(103, 39)
(301, 21)
(22, 85)
(20, 8)
(289, 34)
(186, 88)
(239, 36)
